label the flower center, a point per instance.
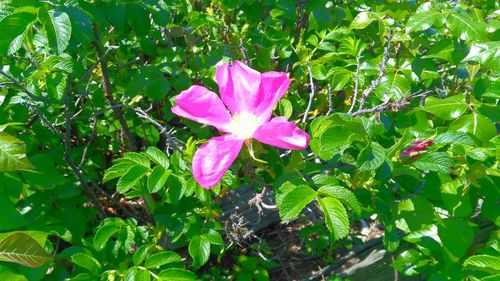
(244, 125)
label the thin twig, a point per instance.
(91, 68)
(392, 106)
(245, 54)
(356, 83)
(377, 81)
(330, 106)
(22, 87)
(311, 94)
(171, 140)
(106, 85)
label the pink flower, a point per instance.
(244, 113)
(417, 146)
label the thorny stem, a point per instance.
(330, 106)
(311, 94)
(356, 83)
(171, 141)
(393, 106)
(106, 85)
(377, 81)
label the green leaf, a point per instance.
(362, 20)
(12, 26)
(162, 258)
(448, 108)
(462, 26)
(475, 124)
(130, 178)
(177, 274)
(87, 262)
(335, 217)
(294, 199)
(453, 137)
(285, 108)
(214, 237)
(199, 250)
(140, 255)
(456, 236)
(157, 179)
(344, 195)
(423, 19)
(371, 157)
(395, 85)
(158, 157)
(103, 234)
(434, 161)
(12, 154)
(483, 262)
(318, 72)
(58, 27)
(117, 171)
(137, 158)
(22, 249)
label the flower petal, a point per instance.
(238, 87)
(273, 86)
(214, 158)
(283, 134)
(203, 106)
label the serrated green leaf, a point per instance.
(103, 234)
(12, 26)
(448, 108)
(199, 250)
(293, 200)
(456, 236)
(285, 108)
(423, 20)
(117, 171)
(453, 137)
(362, 20)
(58, 27)
(157, 179)
(434, 161)
(485, 262)
(371, 157)
(162, 258)
(130, 178)
(12, 154)
(158, 157)
(344, 195)
(336, 218)
(22, 249)
(214, 237)
(87, 262)
(140, 255)
(475, 124)
(137, 158)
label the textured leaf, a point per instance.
(475, 124)
(483, 262)
(371, 157)
(157, 179)
(22, 249)
(344, 195)
(456, 236)
(117, 171)
(294, 199)
(423, 20)
(137, 158)
(158, 157)
(395, 85)
(454, 137)
(103, 234)
(434, 161)
(464, 27)
(162, 258)
(177, 274)
(12, 154)
(448, 108)
(362, 20)
(87, 262)
(199, 250)
(335, 217)
(11, 27)
(130, 178)
(58, 27)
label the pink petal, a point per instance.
(283, 134)
(214, 158)
(203, 106)
(273, 86)
(238, 86)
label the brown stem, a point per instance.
(108, 94)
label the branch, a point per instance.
(245, 54)
(311, 94)
(330, 107)
(377, 81)
(392, 106)
(106, 85)
(356, 83)
(22, 87)
(171, 140)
